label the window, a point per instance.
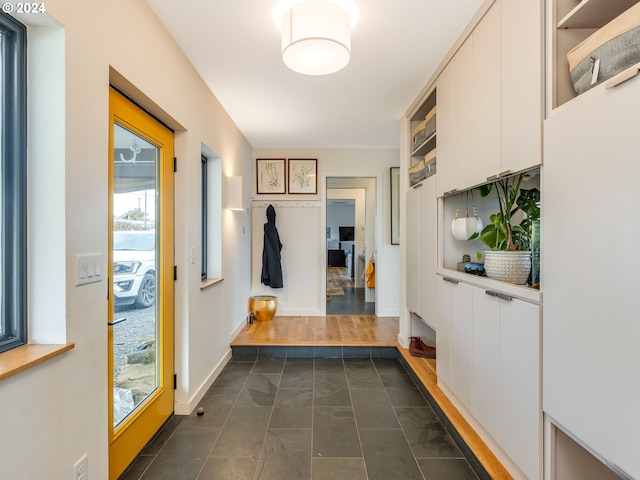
(205, 208)
(211, 179)
(13, 184)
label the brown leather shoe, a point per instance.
(418, 348)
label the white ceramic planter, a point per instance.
(463, 228)
(506, 266)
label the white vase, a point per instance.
(507, 266)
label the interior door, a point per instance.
(140, 325)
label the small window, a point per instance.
(13, 184)
(205, 209)
(211, 178)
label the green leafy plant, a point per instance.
(501, 233)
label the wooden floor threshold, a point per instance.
(425, 371)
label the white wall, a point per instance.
(58, 410)
(303, 232)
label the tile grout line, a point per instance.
(313, 413)
(355, 419)
(213, 445)
(262, 456)
(395, 412)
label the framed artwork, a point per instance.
(303, 175)
(395, 205)
(270, 175)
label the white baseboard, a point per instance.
(185, 408)
(237, 331)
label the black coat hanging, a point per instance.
(271, 266)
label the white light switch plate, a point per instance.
(88, 268)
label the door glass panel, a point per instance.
(135, 256)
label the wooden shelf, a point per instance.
(425, 108)
(425, 147)
(594, 13)
(22, 358)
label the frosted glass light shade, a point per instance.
(316, 37)
(234, 193)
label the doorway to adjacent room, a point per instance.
(350, 243)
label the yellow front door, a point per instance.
(141, 266)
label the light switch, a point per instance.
(88, 268)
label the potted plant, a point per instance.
(509, 259)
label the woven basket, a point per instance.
(511, 267)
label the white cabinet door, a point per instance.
(427, 258)
(462, 116)
(443, 131)
(413, 248)
(522, 87)
(461, 341)
(485, 380)
(443, 334)
(590, 231)
(520, 383)
(486, 97)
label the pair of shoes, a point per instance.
(418, 348)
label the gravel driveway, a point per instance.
(138, 327)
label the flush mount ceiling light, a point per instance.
(316, 34)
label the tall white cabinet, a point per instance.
(489, 96)
(592, 325)
(421, 243)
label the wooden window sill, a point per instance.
(27, 356)
(209, 282)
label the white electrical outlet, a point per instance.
(81, 468)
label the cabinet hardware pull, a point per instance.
(418, 185)
(450, 191)
(450, 280)
(115, 322)
(499, 295)
(498, 175)
(623, 77)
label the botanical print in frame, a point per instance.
(303, 175)
(270, 175)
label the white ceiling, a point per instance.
(396, 46)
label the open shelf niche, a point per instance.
(571, 23)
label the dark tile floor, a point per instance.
(295, 418)
(351, 303)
